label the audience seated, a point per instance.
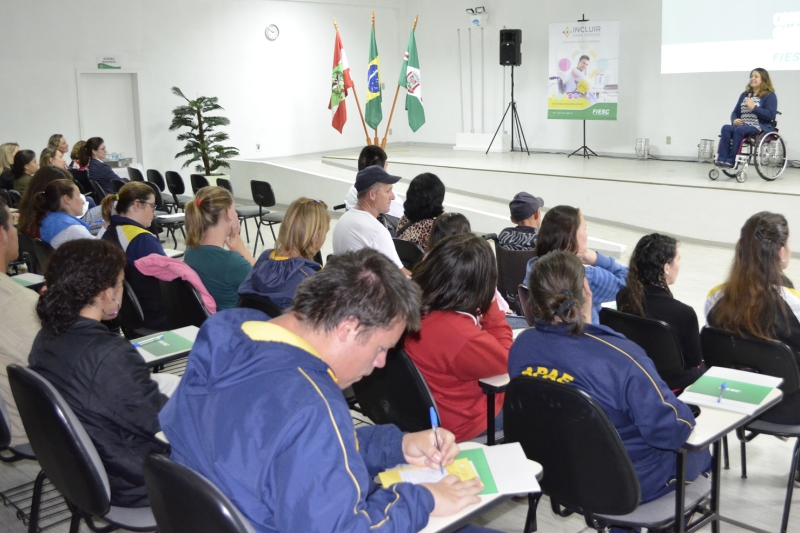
(564, 228)
(75, 157)
(100, 374)
(7, 153)
(758, 300)
(526, 215)
(56, 213)
(564, 346)
(464, 335)
(359, 227)
(25, 166)
(423, 204)
(20, 323)
(372, 155)
(211, 225)
(58, 142)
(446, 225)
(260, 410)
(654, 266)
(51, 157)
(278, 272)
(135, 209)
(92, 155)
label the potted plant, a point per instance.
(203, 143)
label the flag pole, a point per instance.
(373, 31)
(396, 92)
(358, 105)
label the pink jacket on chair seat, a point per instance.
(167, 269)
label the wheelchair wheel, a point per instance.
(741, 177)
(714, 174)
(771, 156)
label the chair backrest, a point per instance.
(82, 177)
(772, 358)
(14, 198)
(409, 252)
(154, 176)
(97, 191)
(61, 444)
(262, 192)
(524, 296)
(656, 338)
(563, 429)
(198, 182)
(28, 248)
(396, 394)
(43, 253)
(117, 185)
(131, 316)
(183, 304)
(134, 174)
(5, 427)
(511, 265)
(265, 305)
(175, 183)
(184, 501)
(225, 184)
(6, 197)
(159, 200)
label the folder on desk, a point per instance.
(171, 344)
(503, 469)
(744, 392)
(26, 280)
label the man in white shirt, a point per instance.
(359, 227)
(372, 155)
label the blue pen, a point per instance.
(434, 425)
(148, 341)
(721, 390)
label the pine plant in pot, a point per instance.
(203, 143)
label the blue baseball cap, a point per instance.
(371, 175)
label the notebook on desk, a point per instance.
(731, 390)
(26, 280)
(165, 344)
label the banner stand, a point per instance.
(584, 147)
(515, 122)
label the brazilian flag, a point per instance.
(373, 114)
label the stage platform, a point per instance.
(673, 197)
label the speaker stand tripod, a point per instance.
(515, 122)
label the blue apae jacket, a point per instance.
(277, 278)
(260, 414)
(766, 111)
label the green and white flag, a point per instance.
(411, 79)
(373, 114)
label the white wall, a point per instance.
(274, 93)
(687, 107)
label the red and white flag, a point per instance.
(340, 83)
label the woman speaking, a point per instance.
(754, 113)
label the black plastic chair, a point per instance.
(134, 174)
(524, 297)
(198, 182)
(15, 198)
(117, 185)
(396, 394)
(27, 250)
(410, 253)
(511, 266)
(768, 357)
(68, 457)
(265, 305)
(169, 224)
(97, 191)
(587, 468)
(43, 252)
(82, 177)
(176, 189)
(183, 501)
(17, 453)
(183, 304)
(264, 197)
(131, 317)
(243, 211)
(655, 337)
(154, 176)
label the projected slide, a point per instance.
(729, 35)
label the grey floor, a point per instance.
(757, 500)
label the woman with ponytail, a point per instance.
(101, 376)
(55, 212)
(654, 266)
(564, 346)
(212, 225)
(92, 155)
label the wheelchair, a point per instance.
(766, 151)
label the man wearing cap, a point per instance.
(359, 227)
(525, 214)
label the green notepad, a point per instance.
(172, 343)
(26, 280)
(734, 390)
(478, 460)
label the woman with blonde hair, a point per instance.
(211, 225)
(7, 153)
(75, 156)
(51, 157)
(278, 272)
(58, 142)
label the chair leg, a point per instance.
(258, 236)
(530, 520)
(743, 447)
(787, 504)
(36, 502)
(75, 523)
(273, 232)
(725, 457)
(246, 231)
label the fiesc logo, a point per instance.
(600, 111)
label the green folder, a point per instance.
(734, 390)
(478, 460)
(172, 343)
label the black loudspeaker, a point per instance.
(511, 47)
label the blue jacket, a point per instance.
(617, 373)
(605, 278)
(57, 221)
(766, 111)
(103, 175)
(278, 278)
(262, 417)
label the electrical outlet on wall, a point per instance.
(669, 139)
(258, 147)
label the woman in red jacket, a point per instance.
(464, 336)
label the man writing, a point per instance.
(260, 410)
